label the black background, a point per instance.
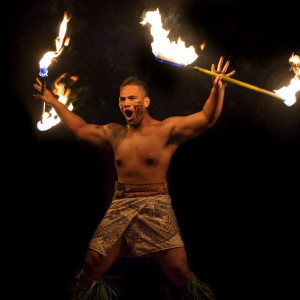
(234, 189)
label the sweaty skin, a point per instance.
(144, 147)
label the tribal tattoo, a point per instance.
(116, 135)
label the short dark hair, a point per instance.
(134, 80)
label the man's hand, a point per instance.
(222, 71)
(48, 97)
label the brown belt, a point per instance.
(128, 190)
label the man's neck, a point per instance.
(146, 121)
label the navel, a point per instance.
(150, 161)
(128, 174)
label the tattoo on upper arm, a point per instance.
(116, 135)
(102, 132)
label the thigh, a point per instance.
(174, 264)
(171, 257)
(99, 264)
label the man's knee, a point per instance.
(95, 264)
(92, 259)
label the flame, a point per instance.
(60, 42)
(50, 119)
(202, 46)
(162, 47)
(288, 93)
(294, 60)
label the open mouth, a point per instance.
(128, 113)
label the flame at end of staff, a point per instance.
(169, 61)
(60, 42)
(294, 61)
(175, 53)
(288, 93)
(50, 118)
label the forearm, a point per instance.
(88, 132)
(70, 120)
(192, 125)
(195, 124)
(213, 105)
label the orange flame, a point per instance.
(60, 41)
(162, 46)
(202, 46)
(288, 93)
(50, 119)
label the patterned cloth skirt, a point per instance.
(143, 214)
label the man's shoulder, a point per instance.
(114, 126)
(170, 120)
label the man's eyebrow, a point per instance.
(131, 96)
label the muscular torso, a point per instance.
(143, 154)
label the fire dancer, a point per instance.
(140, 220)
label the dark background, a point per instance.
(234, 189)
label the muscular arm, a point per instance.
(193, 125)
(90, 133)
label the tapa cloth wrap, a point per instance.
(144, 214)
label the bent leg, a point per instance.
(175, 265)
(90, 284)
(95, 264)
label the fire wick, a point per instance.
(43, 74)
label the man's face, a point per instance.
(132, 103)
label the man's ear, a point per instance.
(146, 102)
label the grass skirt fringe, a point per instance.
(195, 289)
(99, 290)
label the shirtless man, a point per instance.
(140, 219)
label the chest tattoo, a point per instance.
(116, 136)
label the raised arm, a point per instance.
(193, 125)
(90, 133)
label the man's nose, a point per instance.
(127, 103)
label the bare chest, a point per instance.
(148, 148)
(141, 146)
